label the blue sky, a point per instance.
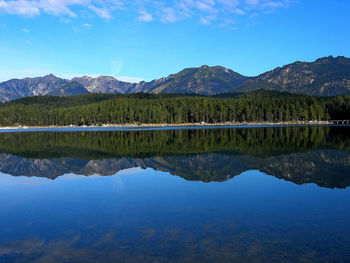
(147, 39)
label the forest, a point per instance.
(260, 142)
(98, 109)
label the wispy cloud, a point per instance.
(32, 8)
(129, 79)
(19, 7)
(145, 16)
(103, 12)
(207, 20)
(205, 12)
(268, 4)
(169, 14)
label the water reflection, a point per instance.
(149, 216)
(299, 154)
(144, 210)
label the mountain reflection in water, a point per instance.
(317, 155)
(121, 196)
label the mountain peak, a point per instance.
(50, 77)
(325, 59)
(103, 84)
(204, 80)
(327, 76)
(329, 59)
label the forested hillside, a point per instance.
(98, 109)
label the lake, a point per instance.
(268, 194)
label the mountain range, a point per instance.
(319, 155)
(326, 168)
(328, 76)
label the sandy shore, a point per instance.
(159, 125)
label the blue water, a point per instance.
(205, 195)
(144, 215)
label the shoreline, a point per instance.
(167, 125)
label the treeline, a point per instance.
(262, 142)
(98, 109)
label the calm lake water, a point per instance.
(203, 195)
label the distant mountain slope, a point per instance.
(208, 167)
(48, 85)
(68, 89)
(327, 76)
(104, 84)
(204, 80)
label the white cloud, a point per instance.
(25, 30)
(55, 7)
(145, 16)
(206, 6)
(19, 7)
(204, 21)
(32, 8)
(238, 11)
(169, 15)
(208, 12)
(102, 12)
(268, 4)
(207, 20)
(130, 79)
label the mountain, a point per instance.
(204, 80)
(104, 84)
(328, 76)
(48, 85)
(68, 89)
(326, 168)
(319, 155)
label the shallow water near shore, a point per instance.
(267, 194)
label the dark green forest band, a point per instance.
(260, 142)
(98, 109)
